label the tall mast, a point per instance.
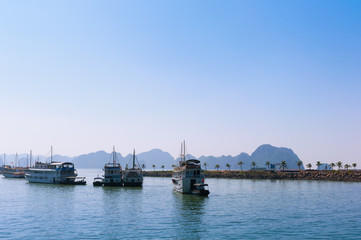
(4, 160)
(16, 160)
(27, 159)
(181, 151)
(133, 158)
(184, 151)
(31, 154)
(113, 155)
(51, 154)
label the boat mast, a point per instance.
(133, 158)
(113, 155)
(181, 152)
(16, 160)
(184, 150)
(31, 154)
(4, 160)
(51, 154)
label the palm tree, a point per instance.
(339, 165)
(162, 167)
(318, 164)
(283, 165)
(354, 165)
(332, 165)
(205, 166)
(299, 164)
(253, 164)
(268, 164)
(153, 167)
(229, 166)
(309, 166)
(143, 166)
(217, 166)
(347, 166)
(240, 163)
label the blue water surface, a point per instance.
(235, 209)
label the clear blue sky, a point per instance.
(226, 76)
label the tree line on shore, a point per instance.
(282, 165)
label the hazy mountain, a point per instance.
(223, 160)
(95, 160)
(262, 154)
(158, 158)
(275, 155)
(155, 157)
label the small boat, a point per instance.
(133, 177)
(187, 178)
(4, 168)
(13, 172)
(54, 173)
(113, 172)
(98, 181)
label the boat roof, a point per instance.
(60, 163)
(193, 161)
(42, 169)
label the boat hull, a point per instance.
(13, 175)
(113, 181)
(112, 184)
(133, 184)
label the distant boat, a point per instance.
(54, 172)
(112, 172)
(187, 178)
(98, 181)
(13, 172)
(133, 177)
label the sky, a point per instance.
(225, 76)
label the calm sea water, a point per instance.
(235, 209)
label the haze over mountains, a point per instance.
(158, 158)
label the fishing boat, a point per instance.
(133, 177)
(54, 173)
(98, 181)
(188, 176)
(13, 171)
(113, 172)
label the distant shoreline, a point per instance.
(331, 175)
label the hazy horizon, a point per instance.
(225, 76)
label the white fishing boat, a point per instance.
(113, 172)
(133, 177)
(54, 172)
(188, 176)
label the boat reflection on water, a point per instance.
(189, 211)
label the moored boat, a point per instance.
(54, 173)
(13, 171)
(188, 176)
(113, 172)
(133, 177)
(98, 181)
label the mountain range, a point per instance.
(264, 153)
